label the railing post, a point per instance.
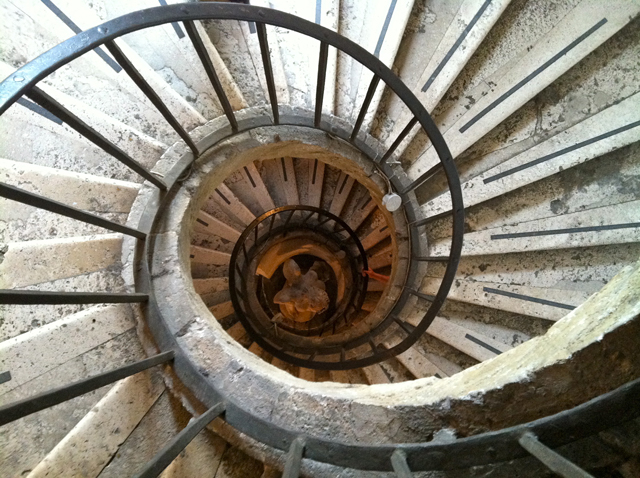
(552, 460)
(22, 408)
(399, 463)
(322, 75)
(294, 459)
(211, 72)
(268, 70)
(144, 86)
(165, 456)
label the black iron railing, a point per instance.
(565, 427)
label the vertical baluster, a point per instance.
(211, 72)
(322, 76)
(555, 462)
(47, 102)
(399, 463)
(365, 105)
(294, 459)
(151, 94)
(403, 134)
(268, 70)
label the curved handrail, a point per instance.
(24, 81)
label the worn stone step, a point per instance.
(439, 42)
(606, 131)
(583, 30)
(472, 343)
(168, 50)
(34, 262)
(545, 303)
(32, 354)
(107, 87)
(299, 52)
(616, 224)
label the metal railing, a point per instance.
(490, 447)
(276, 338)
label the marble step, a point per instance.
(168, 50)
(95, 440)
(377, 27)
(34, 262)
(300, 53)
(202, 255)
(30, 440)
(614, 224)
(432, 57)
(545, 303)
(105, 86)
(29, 355)
(583, 30)
(110, 198)
(139, 146)
(606, 131)
(470, 342)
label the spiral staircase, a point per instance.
(478, 271)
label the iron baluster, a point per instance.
(322, 75)
(27, 406)
(146, 89)
(211, 73)
(35, 200)
(268, 70)
(50, 104)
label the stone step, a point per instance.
(433, 56)
(374, 237)
(256, 185)
(30, 134)
(110, 198)
(83, 191)
(377, 27)
(300, 53)
(223, 310)
(584, 269)
(415, 362)
(375, 374)
(211, 285)
(207, 224)
(34, 262)
(140, 147)
(583, 30)
(287, 180)
(362, 212)
(615, 224)
(343, 189)
(94, 441)
(383, 258)
(38, 351)
(28, 441)
(472, 343)
(189, 113)
(168, 50)
(545, 303)
(105, 86)
(232, 205)
(202, 255)
(277, 65)
(316, 182)
(606, 131)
